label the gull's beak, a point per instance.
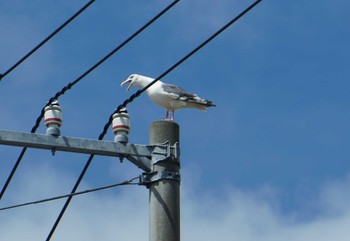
(127, 81)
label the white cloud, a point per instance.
(123, 214)
(250, 216)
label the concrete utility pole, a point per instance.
(164, 194)
(160, 162)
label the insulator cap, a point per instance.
(53, 115)
(53, 118)
(121, 122)
(121, 126)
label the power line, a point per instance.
(47, 39)
(9, 178)
(82, 174)
(128, 182)
(71, 84)
(135, 95)
(139, 92)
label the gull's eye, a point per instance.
(131, 76)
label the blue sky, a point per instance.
(271, 161)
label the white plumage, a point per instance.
(171, 97)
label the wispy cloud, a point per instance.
(123, 214)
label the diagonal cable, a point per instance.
(135, 95)
(71, 84)
(127, 182)
(46, 39)
(139, 92)
(82, 174)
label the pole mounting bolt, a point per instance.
(121, 126)
(53, 119)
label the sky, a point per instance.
(269, 162)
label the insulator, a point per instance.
(121, 126)
(53, 119)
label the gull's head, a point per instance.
(137, 80)
(133, 80)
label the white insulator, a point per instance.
(53, 115)
(53, 119)
(121, 126)
(121, 122)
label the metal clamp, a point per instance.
(165, 151)
(147, 178)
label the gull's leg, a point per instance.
(173, 115)
(166, 114)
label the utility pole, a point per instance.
(164, 194)
(160, 162)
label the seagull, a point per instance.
(171, 97)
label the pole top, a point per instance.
(162, 131)
(167, 123)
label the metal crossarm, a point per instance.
(140, 155)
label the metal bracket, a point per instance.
(147, 178)
(165, 151)
(162, 153)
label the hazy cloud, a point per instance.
(123, 214)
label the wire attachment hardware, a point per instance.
(147, 178)
(53, 119)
